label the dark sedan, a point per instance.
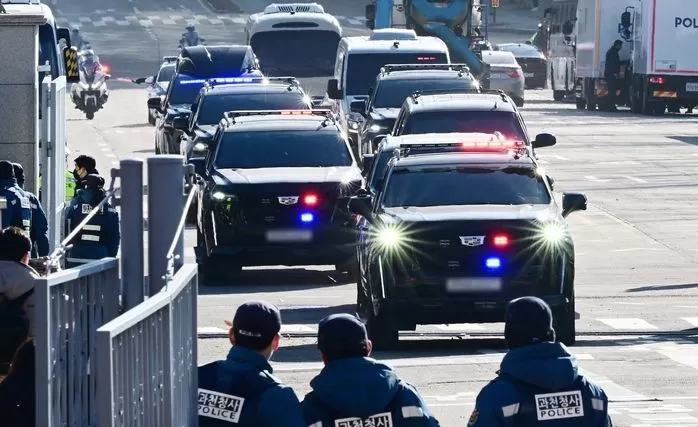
(532, 61)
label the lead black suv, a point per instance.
(433, 253)
(277, 186)
(394, 84)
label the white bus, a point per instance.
(297, 39)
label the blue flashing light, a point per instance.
(307, 217)
(222, 80)
(493, 263)
(193, 82)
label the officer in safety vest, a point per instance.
(39, 227)
(356, 390)
(241, 390)
(538, 383)
(100, 237)
(18, 212)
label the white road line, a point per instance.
(692, 307)
(595, 179)
(637, 249)
(464, 327)
(559, 157)
(683, 354)
(628, 323)
(693, 321)
(634, 179)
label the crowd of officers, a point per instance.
(538, 382)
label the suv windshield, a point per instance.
(465, 185)
(362, 68)
(166, 73)
(381, 161)
(392, 93)
(185, 89)
(465, 121)
(282, 149)
(302, 53)
(214, 105)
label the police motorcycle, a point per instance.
(190, 38)
(91, 93)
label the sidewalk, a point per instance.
(515, 18)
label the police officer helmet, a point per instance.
(94, 181)
(190, 27)
(7, 171)
(529, 320)
(19, 173)
(76, 30)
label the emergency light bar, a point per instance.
(232, 115)
(463, 91)
(514, 147)
(261, 80)
(447, 67)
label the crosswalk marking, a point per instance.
(629, 324)
(150, 20)
(692, 320)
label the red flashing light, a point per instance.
(657, 80)
(426, 58)
(493, 146)
(501, 240)
(310, 199)
(514, 73)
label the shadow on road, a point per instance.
(276, 280)
(663, 287)
(313, 315)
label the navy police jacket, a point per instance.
(241, 391)
(18, 212)
(100, 237)
(361, 392)
(39, 226)
(539, 385)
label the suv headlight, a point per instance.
(224, 197)
(553, 233)
(376, 128)
(200, 147)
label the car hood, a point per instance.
(163, 85)
(207, 130)
(303, 175)
(180, 108)
(480, 212)
(384, 113)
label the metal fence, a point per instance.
(69, 307)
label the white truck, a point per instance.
(660, 68)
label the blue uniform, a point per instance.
(360, 391)
(39, 226)
(539, 385)
(242, 391)
(18, 212)
(99, 238)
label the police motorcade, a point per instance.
(241, 390)
(91, 93)
(360, 58)
(276, 190)
(298, 39)
(354, 389)
(39, 224)
(394, 84)
(194, 66)
(538, 383)
(487, 112)
(433, 254)
(18, 212)
(190, 37)
(100, 237)
(157, 84)
(234, 94)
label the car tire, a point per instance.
(218, 271)
(581, 104)
(381, 332)
(565, 325)
(558, 95)
(350, 268)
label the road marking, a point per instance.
(595, 179)
(634, 179)
(637, 249)
(631, 303)
(693, 321)
(464, 327)
(686, 354)
(628, 323)
(559, 157)
(295, 329)
(693, 307)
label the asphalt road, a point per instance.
(636, 255)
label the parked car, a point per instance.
(533, 62)
(505, 74)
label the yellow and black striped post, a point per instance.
(72, 74)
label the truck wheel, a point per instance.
(581, 103)
(381, 332)
(558, 95)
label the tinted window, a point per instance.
(302, 53)
(392, 93)
(450, 186)
(48, 49)
(362, 68)
(185, 89)
(493, 57)
(213, 106)
(166, 73)
(465, 121)
(282, 149)
(381, 163)
(521, 50)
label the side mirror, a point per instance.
(139, 81)
(70, 58)
(155, 103)
(199, 165)
(573, 202)
(377, 140)
(368, 162)
(149, 80)
(361, 205)
(551, 181)
(107, 76)
(333, 91)
(528, 42)
(358, 107)
(181, 123)
(544, 140)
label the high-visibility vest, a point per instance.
(69, 186)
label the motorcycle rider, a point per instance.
(89, 67)
(190, 37)
(77, 40)
(39, 227)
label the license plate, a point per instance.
(474, 284)
(691, 87)
(289, 236)
(528, 74)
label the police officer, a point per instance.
(84, 165)
(39, 225)
(354, 386)
(612, 73)
(534, 366)
(241, 390)
(18, 212)
(70, 181)
(100, 237)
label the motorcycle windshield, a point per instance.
(89, 74)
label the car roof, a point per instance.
(457, 159)
(392, 142)
(492, 56)
(281, 123)
(423, 44)
(425, 75)
(461, 101)
(252, 88)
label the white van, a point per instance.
(359, 60)
(298, 39)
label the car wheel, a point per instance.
(350, 268)
(381, 332)
(565, 325)
(581, 104)
(558, 95)
(217, 271)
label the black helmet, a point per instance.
(94, 181)
(6, 170)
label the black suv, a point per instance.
(432, 253)
(195, 66)
(488, 112)
(277, 186)
(241, 94)
(394, 84)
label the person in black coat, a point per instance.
(17, 401)
(612, 73)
